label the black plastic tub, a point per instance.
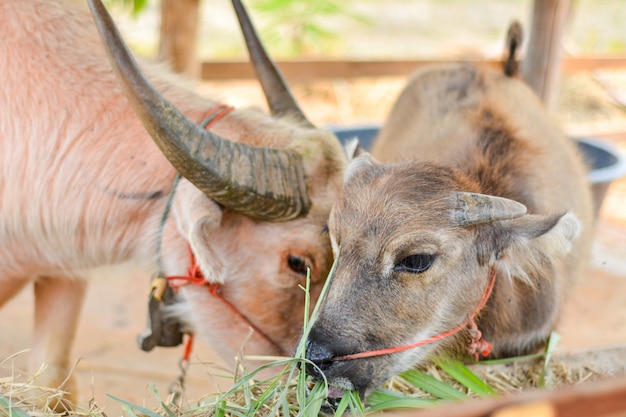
(607, 162)
(607, 165)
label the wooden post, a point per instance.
(541, 68)
(179, 29)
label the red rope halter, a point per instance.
(195, 277)
(476, 346)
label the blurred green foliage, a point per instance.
(320, 27)
(136, 6)
(301, 27)
(288, 27)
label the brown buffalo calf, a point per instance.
(466, 237)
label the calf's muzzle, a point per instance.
(341, 375)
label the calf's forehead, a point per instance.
(391, 200)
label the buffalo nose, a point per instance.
(320, 355)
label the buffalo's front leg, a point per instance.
(58, 301)
(9, 287)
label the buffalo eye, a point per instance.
(415, 264)
(297, 264)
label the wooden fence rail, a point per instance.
(308, 70)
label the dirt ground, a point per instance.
(114, 312)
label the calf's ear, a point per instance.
(353, 149)
(523, 247)
(358, 159)
(197, 216)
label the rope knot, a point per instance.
(193, 276)
(477, 346)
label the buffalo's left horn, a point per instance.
(468, 209)
(277, 93)
(262, 183)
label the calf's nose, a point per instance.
(320, 354)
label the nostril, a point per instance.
(317, 352)
(320, 355)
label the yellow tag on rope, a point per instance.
(157, 290)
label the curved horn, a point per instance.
(262, 183)
(470, 208)
(277, 92)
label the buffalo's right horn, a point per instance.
(277, 93)
(262, 183)
(467, 209)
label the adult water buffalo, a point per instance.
(88, 180)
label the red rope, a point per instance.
(194, 276)
(214, 114)
(188, 347)
(477, 343)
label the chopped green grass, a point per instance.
(462, 374)
(385, 400)
(433, 386)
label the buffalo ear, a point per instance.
(197, 216)
(523, 247)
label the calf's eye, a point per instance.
(415, 264)
(297, 264)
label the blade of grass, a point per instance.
(221, 409)
(300, 350)
(301, 385)
(128, 410)
(10, 409)
(511, 360)
(247, 379)
(432, 385)
(352, 401)
(274, 407)
(285, 404)
(314, 401)
(155, 391)
(265, 397)
(356, 406)
(403, 403)
(307, 299)
(465, 377)
(553, 341)
(342, 407)
(132, 406)
(389, 400)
